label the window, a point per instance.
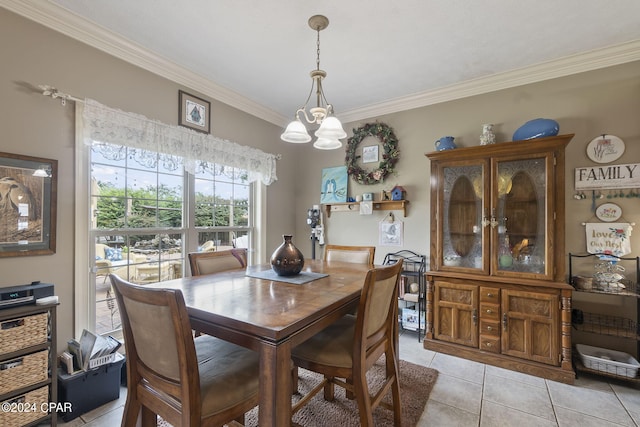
(148, 193)
(140, 218)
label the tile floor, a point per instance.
(473, 394)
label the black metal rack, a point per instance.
(607, 324)
(413, 270)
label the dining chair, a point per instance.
(354, 254)
(186, 381)
(344, 351)
(214, 262)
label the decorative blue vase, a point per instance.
(537, 128)
(445, 143)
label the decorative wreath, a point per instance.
(389, 158)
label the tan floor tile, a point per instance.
(520, 396)
(495, 415)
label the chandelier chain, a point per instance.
(318, 51)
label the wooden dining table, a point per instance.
(271, 317)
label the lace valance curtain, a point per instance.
(108, 125)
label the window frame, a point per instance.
(85, 272)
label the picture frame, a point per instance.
(194, 113)
(333, 188)
(28, 205)
(391, 233)
(370, 154)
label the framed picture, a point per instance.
(28, 189)
(194, 112)
(370, 154)
(605, 149)
(390, 233)
(334, 185)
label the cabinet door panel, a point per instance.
(524, 214)
(530, 326)
(456, 317)
(462, 233)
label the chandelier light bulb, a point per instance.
(296, 133)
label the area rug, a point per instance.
(416, 382)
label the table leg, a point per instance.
(275, 384)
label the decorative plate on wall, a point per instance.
(608, 212)
(605, 149)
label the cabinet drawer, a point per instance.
(491, 344)
(24, 371)
(23, 332)
(489, 327)
(491, 295)
(489, 311)
(34, 399)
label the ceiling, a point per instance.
(381, 56)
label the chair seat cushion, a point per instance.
(333, 346)
(229, 374)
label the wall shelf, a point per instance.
(382, 205)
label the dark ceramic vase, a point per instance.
(287, 260)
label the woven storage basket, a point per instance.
(33, 400)
(23, 332)
(23, 371)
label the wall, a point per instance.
(587, 105)
(34, 125)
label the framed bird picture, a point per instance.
(28, 197)
(194, 112)
(333, 187)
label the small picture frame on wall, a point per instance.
(194, 112)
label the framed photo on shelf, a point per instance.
(194, 112)
(28, 201)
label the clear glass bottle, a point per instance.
(505, 258)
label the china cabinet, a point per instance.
(496, 289)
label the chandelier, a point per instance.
(330, 131)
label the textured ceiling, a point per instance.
(380, 55)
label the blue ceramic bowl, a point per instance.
(537, 128)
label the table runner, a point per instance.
(299, 279)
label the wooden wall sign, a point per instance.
(608, 177)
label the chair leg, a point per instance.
(294, 380)
(131, 411)
(149, 418)
(348, 393)
(392, 369)
(361, 390)
(329, 390)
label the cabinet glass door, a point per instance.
(462, 232)
(521, 238)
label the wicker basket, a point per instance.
(35, 401)
(23, 371)
(23, 332)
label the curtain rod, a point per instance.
(54, 93)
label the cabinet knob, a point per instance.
(488, 344)
(489, 328)
(489, 311)
(490, 295)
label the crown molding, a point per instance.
(63, 21)
(579, 63)
(76, 27)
